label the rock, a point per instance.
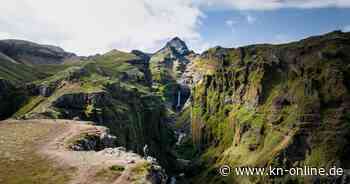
(157, 175)
(152, 160)
(177, 45)
(145, 56)
(96, 141)
(45, 91)
(115, 152)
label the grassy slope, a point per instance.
(98, 73)
(18, 73)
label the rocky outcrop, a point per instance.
(32, 53)
(152, 172)
(93, 140)
(46, 88)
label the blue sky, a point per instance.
(88, 27)
(232, 28)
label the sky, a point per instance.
(87, 27)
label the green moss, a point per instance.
(184, 119)
(140, 169)
(117, 168)
(29, 106)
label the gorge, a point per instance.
(263, 105)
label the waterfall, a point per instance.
(172, 180)
(180, 137)
(178, 99)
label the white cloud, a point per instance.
(250, 19)
(270, 4)
(91, 26)
(346, 28)
(230, 23)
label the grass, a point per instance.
(19, 73)
(19, 162)
(29, 106)
(96, 75)
(110, 174)
(140, 170)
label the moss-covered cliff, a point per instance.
(279, 105)
(11, 98)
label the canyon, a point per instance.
(262, 105)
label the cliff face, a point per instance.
(11, 99)
(284, 105)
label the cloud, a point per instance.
(346, 28)
(270, 4)
(230, 23)
(250, 19)
(91, 26)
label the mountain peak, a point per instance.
(178, 45)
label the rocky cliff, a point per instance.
(274, 105)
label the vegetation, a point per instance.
(263, 102)
(19, 162)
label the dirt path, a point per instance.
(87, 163)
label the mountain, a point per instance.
(177, 45)
(32, 53)
(167, 67)
(261, 105)
(23, 61)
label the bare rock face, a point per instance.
(177, 45)
(32, 53)
(94, 140)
